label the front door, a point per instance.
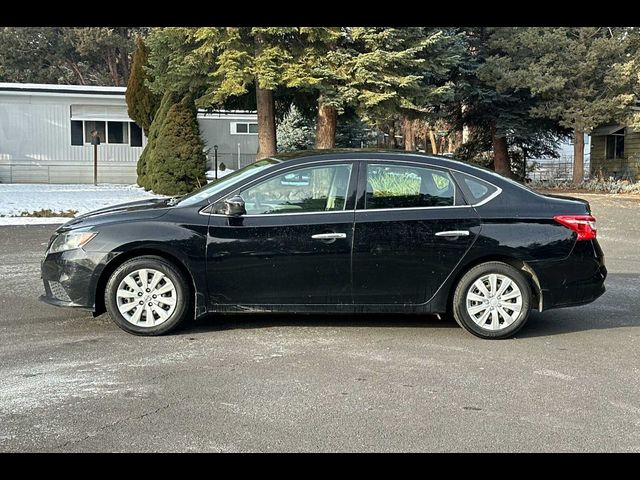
(412, 228)
(294, 244)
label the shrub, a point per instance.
(178, 162)
(146, 158)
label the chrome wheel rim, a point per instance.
(494, 301)
(146, 298)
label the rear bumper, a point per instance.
(576, 280)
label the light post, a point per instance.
(215, 159)
(95, 141)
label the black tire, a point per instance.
(182, 307)
(463, 318)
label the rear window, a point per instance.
(475, 190)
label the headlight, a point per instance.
(70, 240)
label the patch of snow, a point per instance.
(18, 198)
(8, 221)
(211, 174)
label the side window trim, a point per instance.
(466, 191)
(362, 185)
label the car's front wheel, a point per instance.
(492, 300)
(147, 295)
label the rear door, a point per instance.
(412, 227)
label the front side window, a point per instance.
(407, 187)
(615, 145)
(304, 190)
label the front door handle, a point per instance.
(453, 233)
(328, 236)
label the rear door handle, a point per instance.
(453, 233)
(328, 236)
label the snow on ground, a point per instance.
(7, 221)
(18, 198)
(211, 174)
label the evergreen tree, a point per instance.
(578, 76)
(240, 58)
(295, 132)
(67, 55)
(146, 161)
(178, 162)
(142, 104)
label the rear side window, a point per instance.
(407, 186)
(475, 190)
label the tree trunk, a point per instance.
(501, 162)
(408, 132)
(326, 123)
(124, 60)
(578, 156)
(113, 68)
(434, 144)
(77, 71)
(457, 142)
(393, 143)
(266, 123)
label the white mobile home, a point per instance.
(45, 134)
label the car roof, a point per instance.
(364, 154)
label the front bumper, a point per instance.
(70, 278)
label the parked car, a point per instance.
(333, 231)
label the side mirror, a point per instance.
(232, 206)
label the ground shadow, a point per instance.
(214, 322)
(618, 307)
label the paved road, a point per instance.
(568, 382)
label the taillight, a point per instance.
(583, 225)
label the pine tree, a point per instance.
(142, 104)
(240, 58)
(578, 76)
(295, 132)
(178, 162)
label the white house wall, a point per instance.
(35, 143)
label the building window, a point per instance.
(118, 132)
(76, 132)
(244, 128)
(615, 145)
(136, 135)
(90, 126)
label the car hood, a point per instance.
(138, 210)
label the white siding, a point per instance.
(35, 142)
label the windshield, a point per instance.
(225, 182)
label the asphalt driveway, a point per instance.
(568, 382)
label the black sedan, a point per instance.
(333, 231)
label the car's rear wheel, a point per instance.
(147, 295)
(492, 300)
